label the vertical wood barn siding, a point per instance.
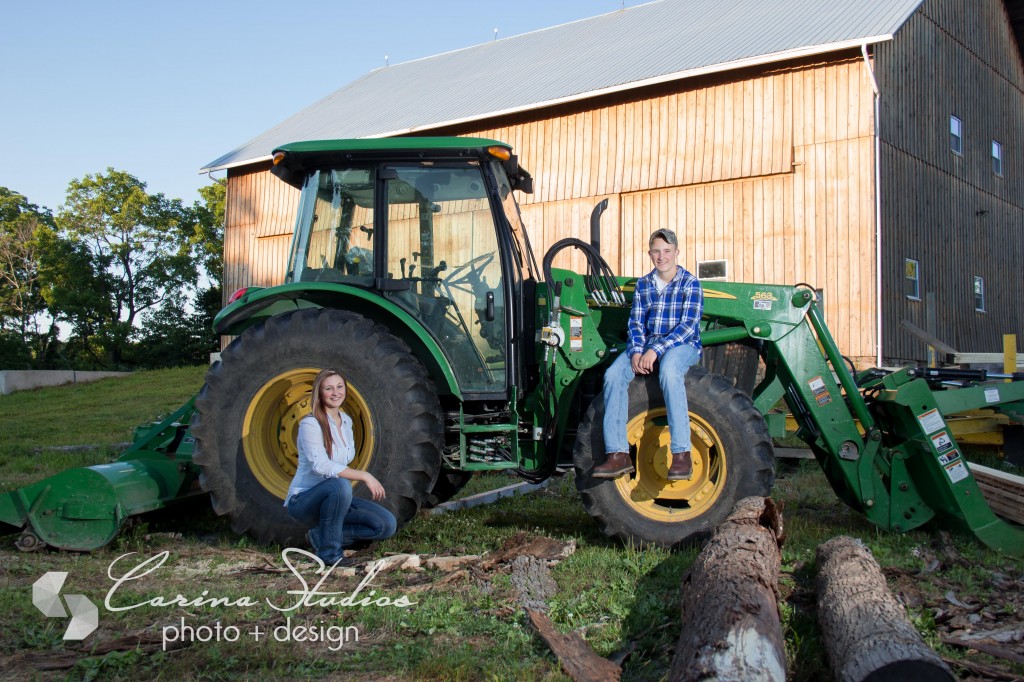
(950, 212)
(772, 170)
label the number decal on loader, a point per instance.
(763, 300)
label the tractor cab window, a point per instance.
(442, 241)
(334, 237)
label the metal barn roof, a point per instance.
(630, 48)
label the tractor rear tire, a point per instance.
(732, 454)
(248, 411)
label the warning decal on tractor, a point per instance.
(942, 442)
(956, 471)
(576, 334)
(949, 457)
(931, 421)
(991, 395)
(819, 390)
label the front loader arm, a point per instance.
(884, 446)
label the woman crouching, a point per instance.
(320, 495)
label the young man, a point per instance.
(664, 336)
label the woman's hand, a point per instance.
(376, 489)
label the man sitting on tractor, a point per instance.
(663, 329)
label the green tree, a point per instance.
(208, 245)
(26, 331)
(207, 236)
(129, 248)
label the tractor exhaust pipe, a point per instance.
(595, 224)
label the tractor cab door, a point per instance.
(442, 240)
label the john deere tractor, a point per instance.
(412, 274)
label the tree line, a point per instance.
(118, 278)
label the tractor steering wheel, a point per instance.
(470, 271)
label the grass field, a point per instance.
(464, 625)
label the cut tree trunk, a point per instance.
(730, 612)
(866, 633)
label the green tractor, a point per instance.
(412, 274)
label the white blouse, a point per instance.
(315, 464)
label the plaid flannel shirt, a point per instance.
(663, 321)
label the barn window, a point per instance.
(910, 273)
(713, 269)
(956, 140)
(997, 158)
(979, 294)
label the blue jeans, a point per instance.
(671, 369)
(338, 519)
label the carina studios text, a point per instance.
(308, 595)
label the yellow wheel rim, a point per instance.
(649, 493)
(272, 423)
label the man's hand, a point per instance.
(644, 364)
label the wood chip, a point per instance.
(451, 563)
(401, 562)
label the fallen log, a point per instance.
(730, 612)
(866, 633)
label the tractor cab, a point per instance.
(438, 234)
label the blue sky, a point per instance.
(161, 89)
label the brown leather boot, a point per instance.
(682, 467)
(618, 463)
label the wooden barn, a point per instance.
(872, 150)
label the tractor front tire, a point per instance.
(732, 455)
(247, 417)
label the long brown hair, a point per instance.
(319, 412)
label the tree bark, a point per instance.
(866, 633)
(730, 612)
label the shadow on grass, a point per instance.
(652, 626)
(556, 511)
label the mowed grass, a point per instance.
(465, 625)
(39, 428)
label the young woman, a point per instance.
(320, 495)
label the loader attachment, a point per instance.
(882, 438)
(932, 458)
(83, 509)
